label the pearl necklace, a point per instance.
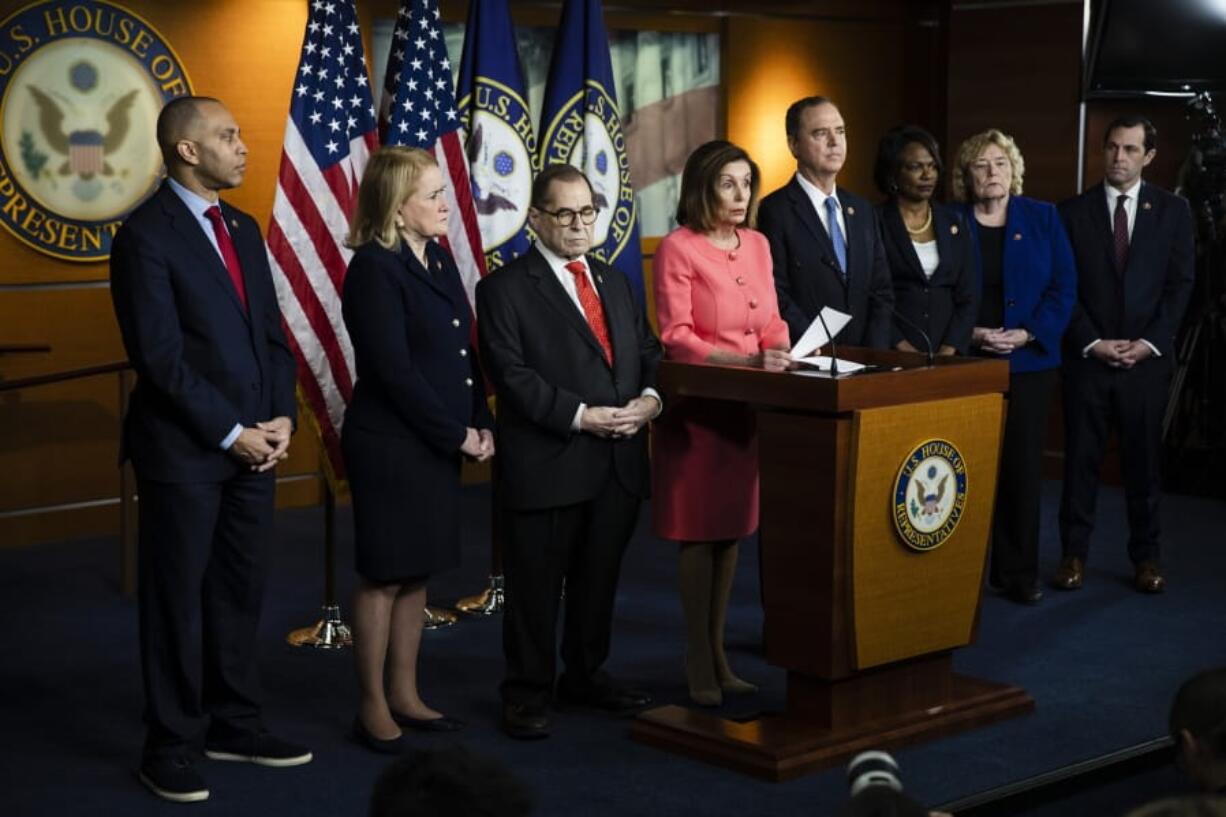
(923, 227)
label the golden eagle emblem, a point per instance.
(930, 503)
(85, 151)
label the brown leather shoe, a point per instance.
(1149, 578)
(1070, 575)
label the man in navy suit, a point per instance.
(1135, 259)
(825, 242)
(573, 363)
(210, 417)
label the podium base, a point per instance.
(782, 747)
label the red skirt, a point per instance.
(704, 471)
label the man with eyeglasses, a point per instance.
(573, 363)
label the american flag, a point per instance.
(330, 132)
(418, 109)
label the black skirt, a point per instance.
(406, 506)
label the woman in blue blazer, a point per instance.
(927, 247)
(1027, 287)
(418, 408)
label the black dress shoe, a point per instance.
(1149, 578)
(173, 779)
(525, 721)
(260, 748)
(1071, 574)
(1023, 592)
(389, 746)
(609, 698)
(444, 724)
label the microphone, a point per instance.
(903, 319)
(834, 351)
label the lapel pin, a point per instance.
(1146, 205)
(234, 223)
(851, 211)
(599, 280)
(1017, 236)
(953, 229)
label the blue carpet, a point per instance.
(1102, 665)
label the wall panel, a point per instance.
(771, 62)
(1017, 67)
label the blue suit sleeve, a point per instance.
(1055, 307)
(148, 316)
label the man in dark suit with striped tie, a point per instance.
(825, 241)
(1135, 260)
(573, 363)
(210, 417)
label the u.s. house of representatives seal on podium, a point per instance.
(929, 494)
(81, 85)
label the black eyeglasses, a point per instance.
(566, 218)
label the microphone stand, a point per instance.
(834, 352)
(903, 319)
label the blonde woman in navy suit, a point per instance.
(927, 247)
(418, 408)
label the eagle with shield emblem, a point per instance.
(86, 150)
(930, 503)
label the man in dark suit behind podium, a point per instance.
(1134, 247)
(210, 417)
(825, 242)
(574, 364)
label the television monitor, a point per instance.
(1166, 47)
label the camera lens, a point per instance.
(873, 768)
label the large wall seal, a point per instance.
(81, 85)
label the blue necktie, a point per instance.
(836, 235)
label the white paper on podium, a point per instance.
(821, 364)
(815, 336)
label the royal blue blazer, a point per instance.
(1039, 279)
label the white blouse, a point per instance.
(928, 256)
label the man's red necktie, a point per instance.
(228, 253)
(590, 302)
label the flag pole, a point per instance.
(492, 599)
(330, 632)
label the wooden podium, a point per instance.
(864, 624)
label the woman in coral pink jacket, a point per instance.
(715, 300)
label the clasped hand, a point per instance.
(999, 341)
(478, 444)
(615, 423)
(1121, 354)
(262, 446)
